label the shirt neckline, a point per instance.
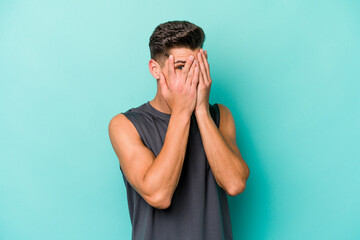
(157, 112)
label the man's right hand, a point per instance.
(180, 89)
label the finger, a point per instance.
(187, 66)
(190, 74)
(202, 67)
(206, 63)
(201, 78)
(163, 85)
(195, 79)
(206, 55)
(171, 67)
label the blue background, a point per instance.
(288, 70)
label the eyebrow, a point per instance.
(180, 61)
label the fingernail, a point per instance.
(191, 57)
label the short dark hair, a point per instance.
(175, 34)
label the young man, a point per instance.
(178, 153)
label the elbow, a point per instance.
(239, 185)
(159, 201)
(247, 172)
(236, 189)
(161, 204)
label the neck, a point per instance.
(160, 103)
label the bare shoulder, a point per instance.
(121, 125)
(224, 110)
(124, 138)
(118, 121)
(227, 127)
(226, 119)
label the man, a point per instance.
(178, 153)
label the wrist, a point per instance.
(202, 111)
(183, 115)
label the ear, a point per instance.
(154, 68)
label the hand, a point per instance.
(203, 90)
(179, 90)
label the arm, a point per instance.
(154, 178)
(225, 160)
(227, 165)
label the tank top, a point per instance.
(199, 208)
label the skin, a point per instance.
(183, 88)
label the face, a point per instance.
(180, 57)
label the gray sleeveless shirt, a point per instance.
(199, 208)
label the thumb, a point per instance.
(163, 85)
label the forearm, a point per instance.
(163, 175)
(228, 167)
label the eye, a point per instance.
(180, 67)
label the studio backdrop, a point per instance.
(289, 71)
